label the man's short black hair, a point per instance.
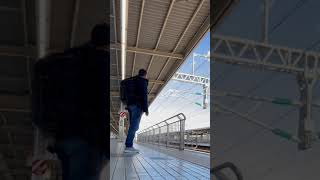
(142, 72)
(100, 34)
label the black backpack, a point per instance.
(56, 83)
(127, 90)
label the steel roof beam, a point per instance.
(17, 51)
(19, 110)
(150, 80)
(9, 9)
(149, 52)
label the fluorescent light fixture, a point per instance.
(124, 20)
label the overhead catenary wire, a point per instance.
(181, 96)
(297, 6)
(184, 105)
(274, 130)
(273, 100)
(177, 98)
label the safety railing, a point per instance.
(197, 139)
(169, 133)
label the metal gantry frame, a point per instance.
(232, 50)
(189, 78)
(303, 64)
(192, 78)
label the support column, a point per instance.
(305, 126)
(43, 38)
(205, 96)
(167, 135)
(121, 123)
(124, 22)
(182, 129)
(265, 21)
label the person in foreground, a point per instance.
(73, 98)
(137, 103)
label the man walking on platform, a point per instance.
(137, 103)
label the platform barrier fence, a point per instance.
(169, 132)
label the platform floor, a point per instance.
(151, 164)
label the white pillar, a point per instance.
(43, 27)
(124, 21)
(265, 28)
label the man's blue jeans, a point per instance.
(135, 113)
(79, 159)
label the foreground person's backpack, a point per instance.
(127, 90)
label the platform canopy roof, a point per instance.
(160, 35)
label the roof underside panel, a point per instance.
(31, 22)
(61, 23)
(179, 18)
(156, 67)
(141, 62)
(133, 24)
(152, 22)
(196, 24)
(12, 33)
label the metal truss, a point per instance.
(191, 78)
(239, 51)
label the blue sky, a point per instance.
(179, 97)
